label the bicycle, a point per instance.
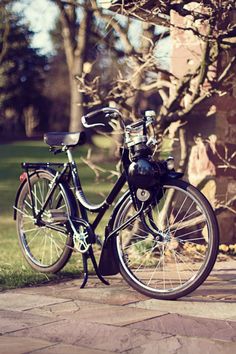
(162, 235)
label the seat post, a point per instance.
(69, 155)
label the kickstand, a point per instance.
(93, 259)
(85, 265)
(90, 254)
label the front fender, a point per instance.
(107, 263)
(173, 175)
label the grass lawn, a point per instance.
(14, 271)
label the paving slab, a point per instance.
(184, 345)
(12, 321)
(188, 326)
(113, 295)
(68, 309)
(20, 302)
(22, 345)
(117, 293)
(97, 313)
(119, 316)
(214, 310)
(92, 335)
(68, 349)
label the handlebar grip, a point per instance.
(106, 110)
(86, 125)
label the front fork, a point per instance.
(146, 216)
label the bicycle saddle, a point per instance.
(65, 139)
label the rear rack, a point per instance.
(34, 165)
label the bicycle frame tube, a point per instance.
(110, 199)
(55, 182)
(84, 204)
(31, 194)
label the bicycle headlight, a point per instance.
(142, 173)
(145, 174)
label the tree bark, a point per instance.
(76, 106)
(75, 45)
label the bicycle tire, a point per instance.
(171, 255)
(34, 240)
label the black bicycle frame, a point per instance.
(84, 205)
(69, 173)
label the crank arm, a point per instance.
(55, 228)
(77, 250)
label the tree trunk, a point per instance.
(79, 54)
(31, 121)
(76, 107)
(75, 44)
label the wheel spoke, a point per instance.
(189, 233)
(42, 245)
(32, 239)
(28, 204)
(177, 268)
(157, 266)
(31, 230)
(179, 223)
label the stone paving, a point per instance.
(62, 318)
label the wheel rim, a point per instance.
(42, 245)
(176, 262)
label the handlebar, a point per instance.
(115, 113)
(139, 123)
(112, 112)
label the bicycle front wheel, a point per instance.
(46, 248)
(178, 256)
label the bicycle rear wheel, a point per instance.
(181, 259)
(45, 249)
